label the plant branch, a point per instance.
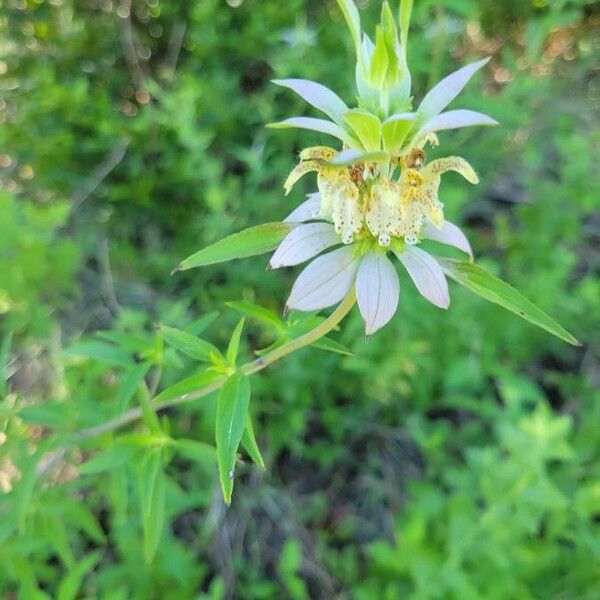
(249, 368)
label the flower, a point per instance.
(378, 195)
(368, 216)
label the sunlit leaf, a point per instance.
(495, 290)
(249, 242)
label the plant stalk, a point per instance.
(258, 364)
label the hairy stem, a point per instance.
(249, 368)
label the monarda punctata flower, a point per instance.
(377, 195)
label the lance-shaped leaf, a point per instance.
(190, 384)
(319, 125)
(446, 90)
(250, 445)
(454, 119)
(249, 242)
(405, 11)
(499, 292)
(367, 128)
(189, 344)
(152, 496)
(234, 343)
(232, 408)
(352, 17)
(317, 95)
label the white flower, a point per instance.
(392, 217)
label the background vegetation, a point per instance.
(452, 456)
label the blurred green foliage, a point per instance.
(454, 455)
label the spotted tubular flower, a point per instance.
(378, 195)
(370, 217)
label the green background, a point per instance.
(453, 456)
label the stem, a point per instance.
(249, 368)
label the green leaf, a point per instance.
(390, 33)
(71, 584)
(249, 443)
(232, 408)
(101, 352)
(394, 133)
(352, 18)
(330, 345)
(188, 344)
(259, 313)
(367, 127)
(495, 290)
(129, 385)
(197, 451)
(201, 324)
(380, 60)
(152, 495)
(108, 459)
(234, 343)
(149, 415)
(49, 414)
(405, 12)
(188, 385)
(249, 242)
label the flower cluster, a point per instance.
(377, 195)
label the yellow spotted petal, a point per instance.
(298, 172)
(318, 153)
(451, 163)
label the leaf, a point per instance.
(188, 344)
(367, 128)
(203, 323)
(152, 495)
(317, 95)
(259, 313)
(196, 451)
(107, 460)
(232, 408)
(49, 414)
(405, 11)
(318, 125)
(234, 343)
(188, 385)
(380, 60)
(330, 345)
(129, 384)
(149, 415)
(249, 242)
(249, 443)
(352, 18)
(495, 290)
(71, 584)
(101, 352)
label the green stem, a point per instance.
(250, 368)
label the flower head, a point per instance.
(377, 196)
